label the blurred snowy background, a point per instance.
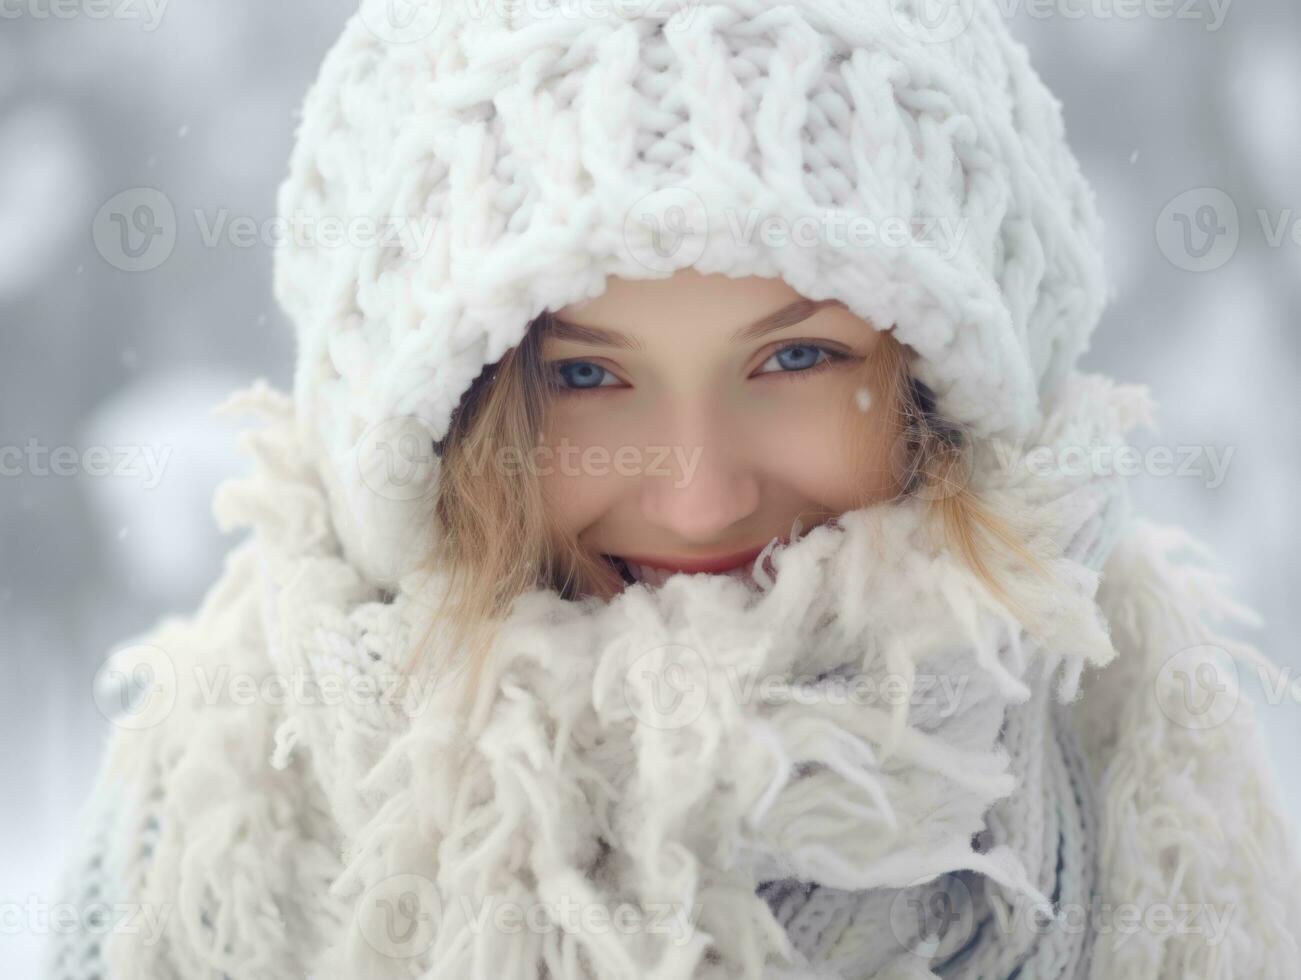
(200, 105)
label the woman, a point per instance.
(689, 548)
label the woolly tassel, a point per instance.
(978, 771)
(766, 734)
(258, 398)
(915, 866)
(743, 928)
(822, 740)
(525, 802)
(819, 818)
(900, 664)
(966, 598)
(1192, 818)
(287, 736)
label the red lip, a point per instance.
(722, 563)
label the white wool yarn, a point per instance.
(521, 153)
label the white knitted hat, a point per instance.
(480, 161)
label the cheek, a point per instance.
(578, 465)
(575, 501)
(815, 442)
(807, 455)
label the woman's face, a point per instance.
(676, 438)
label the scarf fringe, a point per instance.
(348, 820)
(1192, 817)
(528, 814)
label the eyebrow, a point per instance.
(789, 315)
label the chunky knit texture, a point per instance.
(518, 155)
(523, 154)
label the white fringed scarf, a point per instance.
(866, 769)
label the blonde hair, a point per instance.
(495, 537)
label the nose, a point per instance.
(704, 487)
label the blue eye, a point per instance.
(581, 375)
(797, 359)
